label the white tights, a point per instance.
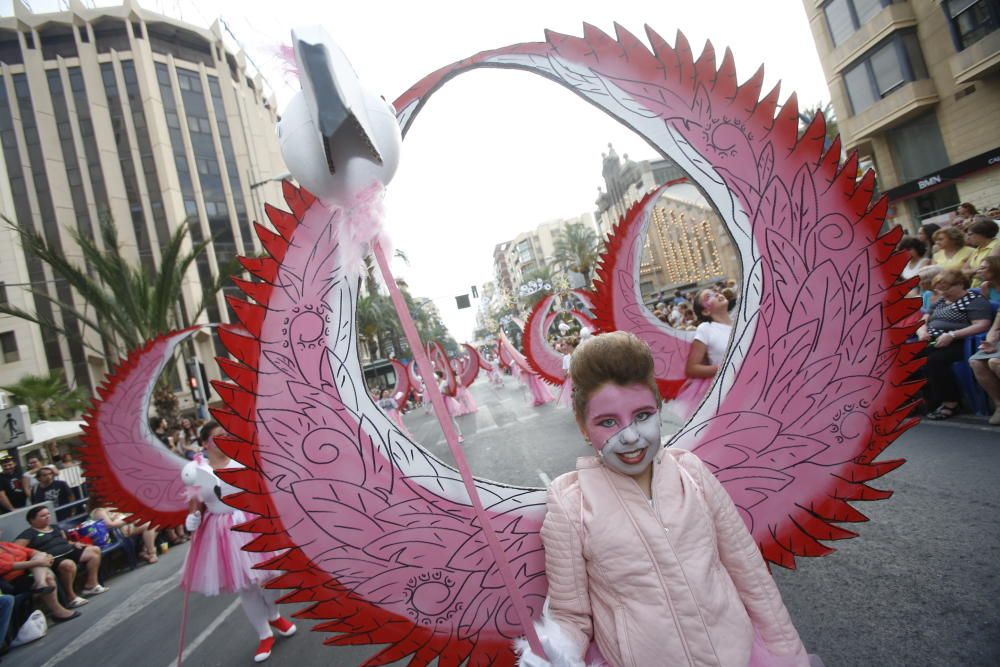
(260, 607)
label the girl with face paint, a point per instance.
(647, 559)
(217, 562)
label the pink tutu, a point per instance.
(465, 398)
(690, 397)
(454, 407)
(396, 418)
(216, 562)
(565, 399)
(540, 394)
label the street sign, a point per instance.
(15, 427)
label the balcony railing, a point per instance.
(978, 60)
(905, 102)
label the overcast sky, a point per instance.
(496, 153)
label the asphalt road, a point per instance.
(919, 587)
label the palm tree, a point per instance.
(47, 396)
(807, 115)
(577, 249)
(125, 304)
(373, 311)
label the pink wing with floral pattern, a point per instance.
(815, 385)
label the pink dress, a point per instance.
(216, 562)
(464, 397)
(540, 394)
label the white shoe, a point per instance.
(995, 419)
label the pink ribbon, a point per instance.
(503, 565)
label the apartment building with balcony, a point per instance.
(916, 88)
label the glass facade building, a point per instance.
(123, 114)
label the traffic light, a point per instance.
(198, 382)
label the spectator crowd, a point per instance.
(60, 556)
(958, 271)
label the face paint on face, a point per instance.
(623, 425)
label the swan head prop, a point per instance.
(336, 138)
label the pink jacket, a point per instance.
(678, 581)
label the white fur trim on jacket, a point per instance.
(559, 648)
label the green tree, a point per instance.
(125, 304)
(577, 249)
(47, 397)
(807, 115)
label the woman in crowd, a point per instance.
(951, 250)
(989, 278)
(917, 250)
(926, 236)
(958, 313)
(964, 214)
(645, 553)
(986, 362)
(711, 341)
(981, 236)
(216, 562)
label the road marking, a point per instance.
(146, 595)
(206, 633)
(545, 478)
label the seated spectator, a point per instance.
(951, 250)
(52, 490)
(12, 494)
(917, 250)
(17, 561)
(989, 278)
(926, 235)
(927, 276)
(42, 536)
(964, 215)
(115, 519)
(958, 314)
(986, 367)
(981, 236)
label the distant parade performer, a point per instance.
(708, 350)
(391, 405)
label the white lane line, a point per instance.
(206, 633)
(545, 478)
(144, 596)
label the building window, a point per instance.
(3, 294)
(844, 17)
(934, 203)
(8, 347)
(917, 148)
(890, 64)
(971, 20)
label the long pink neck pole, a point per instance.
(413, 338)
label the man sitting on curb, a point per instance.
(66, 555)
(16, 561)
